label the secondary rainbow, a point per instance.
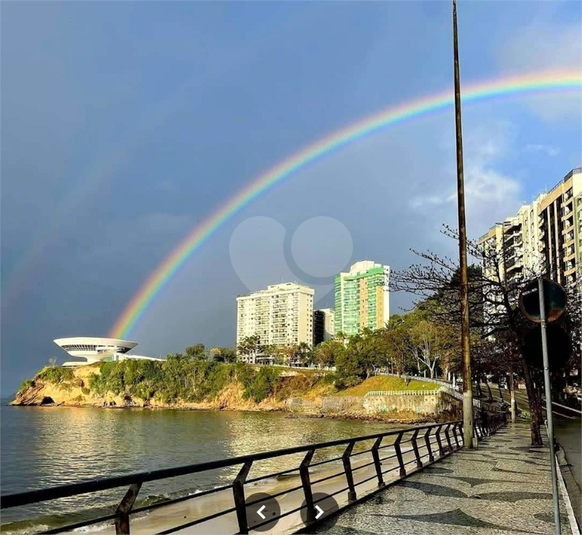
(537, 82)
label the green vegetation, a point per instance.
(27, 383)
(182, 378)
(56, 375)
(413, 344)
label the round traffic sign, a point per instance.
(554, 300)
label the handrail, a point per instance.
(436, 441)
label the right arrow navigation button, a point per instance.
(324, 507)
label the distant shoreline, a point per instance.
(237, 387)
(289, 413)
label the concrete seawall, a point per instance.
(409, 402)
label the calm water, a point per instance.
(42, 447)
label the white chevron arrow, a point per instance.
(259, 512)
(320, 512)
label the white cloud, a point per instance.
(490, 194)
(538, 147)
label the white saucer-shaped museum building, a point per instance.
(97, 349)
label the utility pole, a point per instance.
(550, 416)
(465, 337)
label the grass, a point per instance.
(386, 383)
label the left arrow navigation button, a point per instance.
(263, 511)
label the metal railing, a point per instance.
(392, 455)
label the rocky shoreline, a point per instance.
(318, 402)
(231, 401)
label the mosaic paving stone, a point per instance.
(501, 488)
(456, 517)
(513, 497)
(430, 489)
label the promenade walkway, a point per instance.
(503, 487)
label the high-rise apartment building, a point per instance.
(545, 237)
(323, 325)
(560, 222)
(362, 298)
(281, 315)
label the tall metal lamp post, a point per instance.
(465, 336)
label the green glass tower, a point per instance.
(362, 298)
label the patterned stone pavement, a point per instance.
(503, 487)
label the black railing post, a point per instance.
(348, 470)
(398, 451)
(461, 434)
(238, 490)
(455, 434)
(448, 437)
(306, 482)
(377, 463)
(124, 508)
(439, 441)
(428, 445)
(485, 422)
(415, 448)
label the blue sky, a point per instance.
(126, 124)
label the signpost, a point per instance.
(542, 301)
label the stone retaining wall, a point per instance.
(422, 404)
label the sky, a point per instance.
(125, 124)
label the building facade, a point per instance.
(94, 349)
(560, 222)
(362, 298)
(323, 325)
(281, 315)
(545, 237)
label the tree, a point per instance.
(362, 357)
(427, 337)
(223, 354)
(249, 346)
(197, 351)
(493, 309)
(326, 353)
(303, 354)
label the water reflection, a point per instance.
(43, 447)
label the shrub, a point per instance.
(263, 384)
(55, 375)
(180, 378)
(27, 383)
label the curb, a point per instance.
(560, 461)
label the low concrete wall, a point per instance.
(420, 403)
(410, 402)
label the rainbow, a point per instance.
(518, 85)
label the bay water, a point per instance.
(46, 446)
